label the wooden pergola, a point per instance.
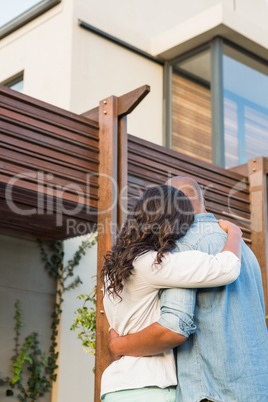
(57, 165)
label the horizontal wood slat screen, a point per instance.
(55, 154)
(191, 118)
(226, 192)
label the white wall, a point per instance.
(75, 376)
(138, 21)
(23, 277)
(42, 49)
(255, 11)
(101, 68)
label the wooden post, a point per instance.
(122, 170)
(112, 204)
(258, 170)
(107, 220)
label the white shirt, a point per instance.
(140, 307)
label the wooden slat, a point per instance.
(226, 192)
(47, 133)
(191, 118)
(29, 106)
(54, 153)
(43, 225)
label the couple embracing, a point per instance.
(183, 296)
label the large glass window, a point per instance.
(245, 107)
(16, 13)
(191, 106)
(232, 128)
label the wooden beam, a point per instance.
(122, 171)
(92, 114)
(259, 223)
(107, 221)
(126, 103)
(241, 169)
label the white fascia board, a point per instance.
(216, 21)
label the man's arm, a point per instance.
(149, 341)
(172, 329)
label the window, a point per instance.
(16, 13)
(191, 105)
(245, 84)
(15, 83)
(219, 104)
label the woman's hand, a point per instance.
(227, 226)
(233, 241)
(113, 336)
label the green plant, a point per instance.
(37, 384)
(30, 354)
(85, 322)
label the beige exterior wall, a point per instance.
(101, 68)
(75, 377)
(23, 278)
(241, 28)
(139, 22)
(42, 49)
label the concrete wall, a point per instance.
(101, 68)
(42, 49)
(139, 21)
(23, 277)
(155, 26)
(75, 376)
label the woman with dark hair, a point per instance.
(140, 264)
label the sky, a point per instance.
(10, 9)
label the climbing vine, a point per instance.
(85, 322)
(42, 366)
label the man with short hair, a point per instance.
(225, 357)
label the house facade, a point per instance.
(207, 66)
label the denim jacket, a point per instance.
(225, 358)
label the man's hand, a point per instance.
(112, 339)
(147, 342)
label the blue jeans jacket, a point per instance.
(225, 358)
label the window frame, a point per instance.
(217, 93)
(13, 80)
(27, 16)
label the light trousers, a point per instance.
(148, 394)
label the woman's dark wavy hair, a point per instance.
(160, 217)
